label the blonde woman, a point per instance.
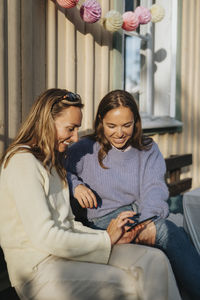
(49, 255)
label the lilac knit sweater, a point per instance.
(132, 176)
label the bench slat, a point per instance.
(175, 162)
(179, 187)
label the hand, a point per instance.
(118, 231)
(85, 196)
(147, 234)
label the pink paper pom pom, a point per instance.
(144, 14)
(67, 3)
(90, 11)
(130, 21)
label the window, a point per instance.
(150, 66)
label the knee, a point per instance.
(166, 224)
(157, 256)
(165, 229)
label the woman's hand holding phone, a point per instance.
(118, 231)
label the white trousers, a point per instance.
(134, 272)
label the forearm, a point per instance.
(73, 181)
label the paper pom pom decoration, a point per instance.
(90, 11)
(67, 3)
(144, 14)
(130, 21)
(113, 21)
(157, 13)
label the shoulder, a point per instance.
(154, 147)
(84, 146)
(153, 154)
(24, 167)
(22, 159)
(155, 150)
(21, 155)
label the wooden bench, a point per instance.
(175, 165)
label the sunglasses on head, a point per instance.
(69, 98)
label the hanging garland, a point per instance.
(90, 12)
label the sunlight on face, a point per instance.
(67, 125)
(118, 126)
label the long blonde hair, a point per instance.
(38, 130)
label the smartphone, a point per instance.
(153, 218)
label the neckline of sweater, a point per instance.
(115, 154)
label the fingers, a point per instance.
(85, 196)
(93, 198)
(143, 233)
(130, 215)
(117, 229)
(123, 218)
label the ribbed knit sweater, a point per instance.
(36, 220)
(133, 176)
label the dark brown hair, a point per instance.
(111, 101)
(39, 132)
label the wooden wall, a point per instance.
(78, 55)
(22, 62)
(42, 46)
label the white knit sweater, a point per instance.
(36, 220)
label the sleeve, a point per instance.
(73, 181)
(74, 164)
(153, 189)
(26, 185)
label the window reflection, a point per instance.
(132, 64)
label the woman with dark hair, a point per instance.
(117, 169)
(48, 254)
(111, 101)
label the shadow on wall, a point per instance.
(73, 15)
(159, 56)
(9, 141)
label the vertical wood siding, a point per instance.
(78, 55)
(42, 46)
(22, 62)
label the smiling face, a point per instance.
(67, 124)
(118, 125)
